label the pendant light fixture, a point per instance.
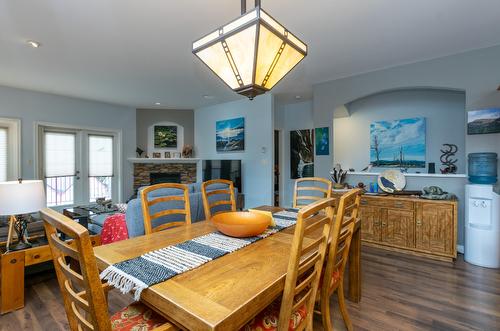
(252, 53)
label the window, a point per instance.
(78, 165)
(9, 149)
(100, 166)
(3, 154)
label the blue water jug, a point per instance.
(483, 168)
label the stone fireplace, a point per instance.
(154, 171)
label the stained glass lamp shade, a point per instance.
(252, 53)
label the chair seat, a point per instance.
(267, 320)
(136, 317)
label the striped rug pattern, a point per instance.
(160, 265)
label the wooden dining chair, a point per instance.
(148, 202)
(338, 254)
(84, 295)
(315, 188)
(210, 203)
(294, 310)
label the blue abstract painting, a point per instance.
(398, 143)
(230, 135)
(322, 141)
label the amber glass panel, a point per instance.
(242, 48)
(288, 59)
(269, 45)
(215, 58)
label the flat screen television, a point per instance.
(223, 169)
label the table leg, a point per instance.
(355, 267)
(11, 281)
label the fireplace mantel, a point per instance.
(163, 160)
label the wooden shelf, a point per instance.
(361, 173)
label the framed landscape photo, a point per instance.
(483, 121)
(230, 135)
(398, 143)
(165, 136)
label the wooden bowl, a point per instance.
(241, 224)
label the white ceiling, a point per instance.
(138, 52)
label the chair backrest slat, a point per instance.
(147, 202)
(310, 185)
(307, 255)
(206, 193)
(86, 307)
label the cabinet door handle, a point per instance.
(419, 222)
(364, 202)
(384, 223)
(398, 204)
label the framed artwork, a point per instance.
(156, 155)
(483, 121)
(165, 136)
(301, 153)
(167, 155)
(398, 143)
(230, 135)
(322, 136)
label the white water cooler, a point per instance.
(482, 225)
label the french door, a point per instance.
(78, 166)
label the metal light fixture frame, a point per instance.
(252, 90)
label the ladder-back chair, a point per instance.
(338, 254)
(84, 295)
(177, 200)
(208, 195)
(295, 309)
(314, 189)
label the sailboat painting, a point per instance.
(230, 135)
(398, 143)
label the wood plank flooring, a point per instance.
(400, 292)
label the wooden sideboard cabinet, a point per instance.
(418, 226)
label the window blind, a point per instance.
(100, 156)
(59, 156)
(3, 154)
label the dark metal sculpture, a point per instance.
(447, 160)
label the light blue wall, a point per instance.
(289, 117)
(476, 72)
(31, 107)
(257, 159)
(443, 110)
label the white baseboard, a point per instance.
(460, 249)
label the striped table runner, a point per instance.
(157, 266)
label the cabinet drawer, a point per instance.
(37, 255)
(387, 203)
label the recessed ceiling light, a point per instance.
(34, 44)
(157, 103)
(208, 96)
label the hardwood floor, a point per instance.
(400, 292)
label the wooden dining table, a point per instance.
(225, 293)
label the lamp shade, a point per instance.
(27, 196)
(252, 53)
